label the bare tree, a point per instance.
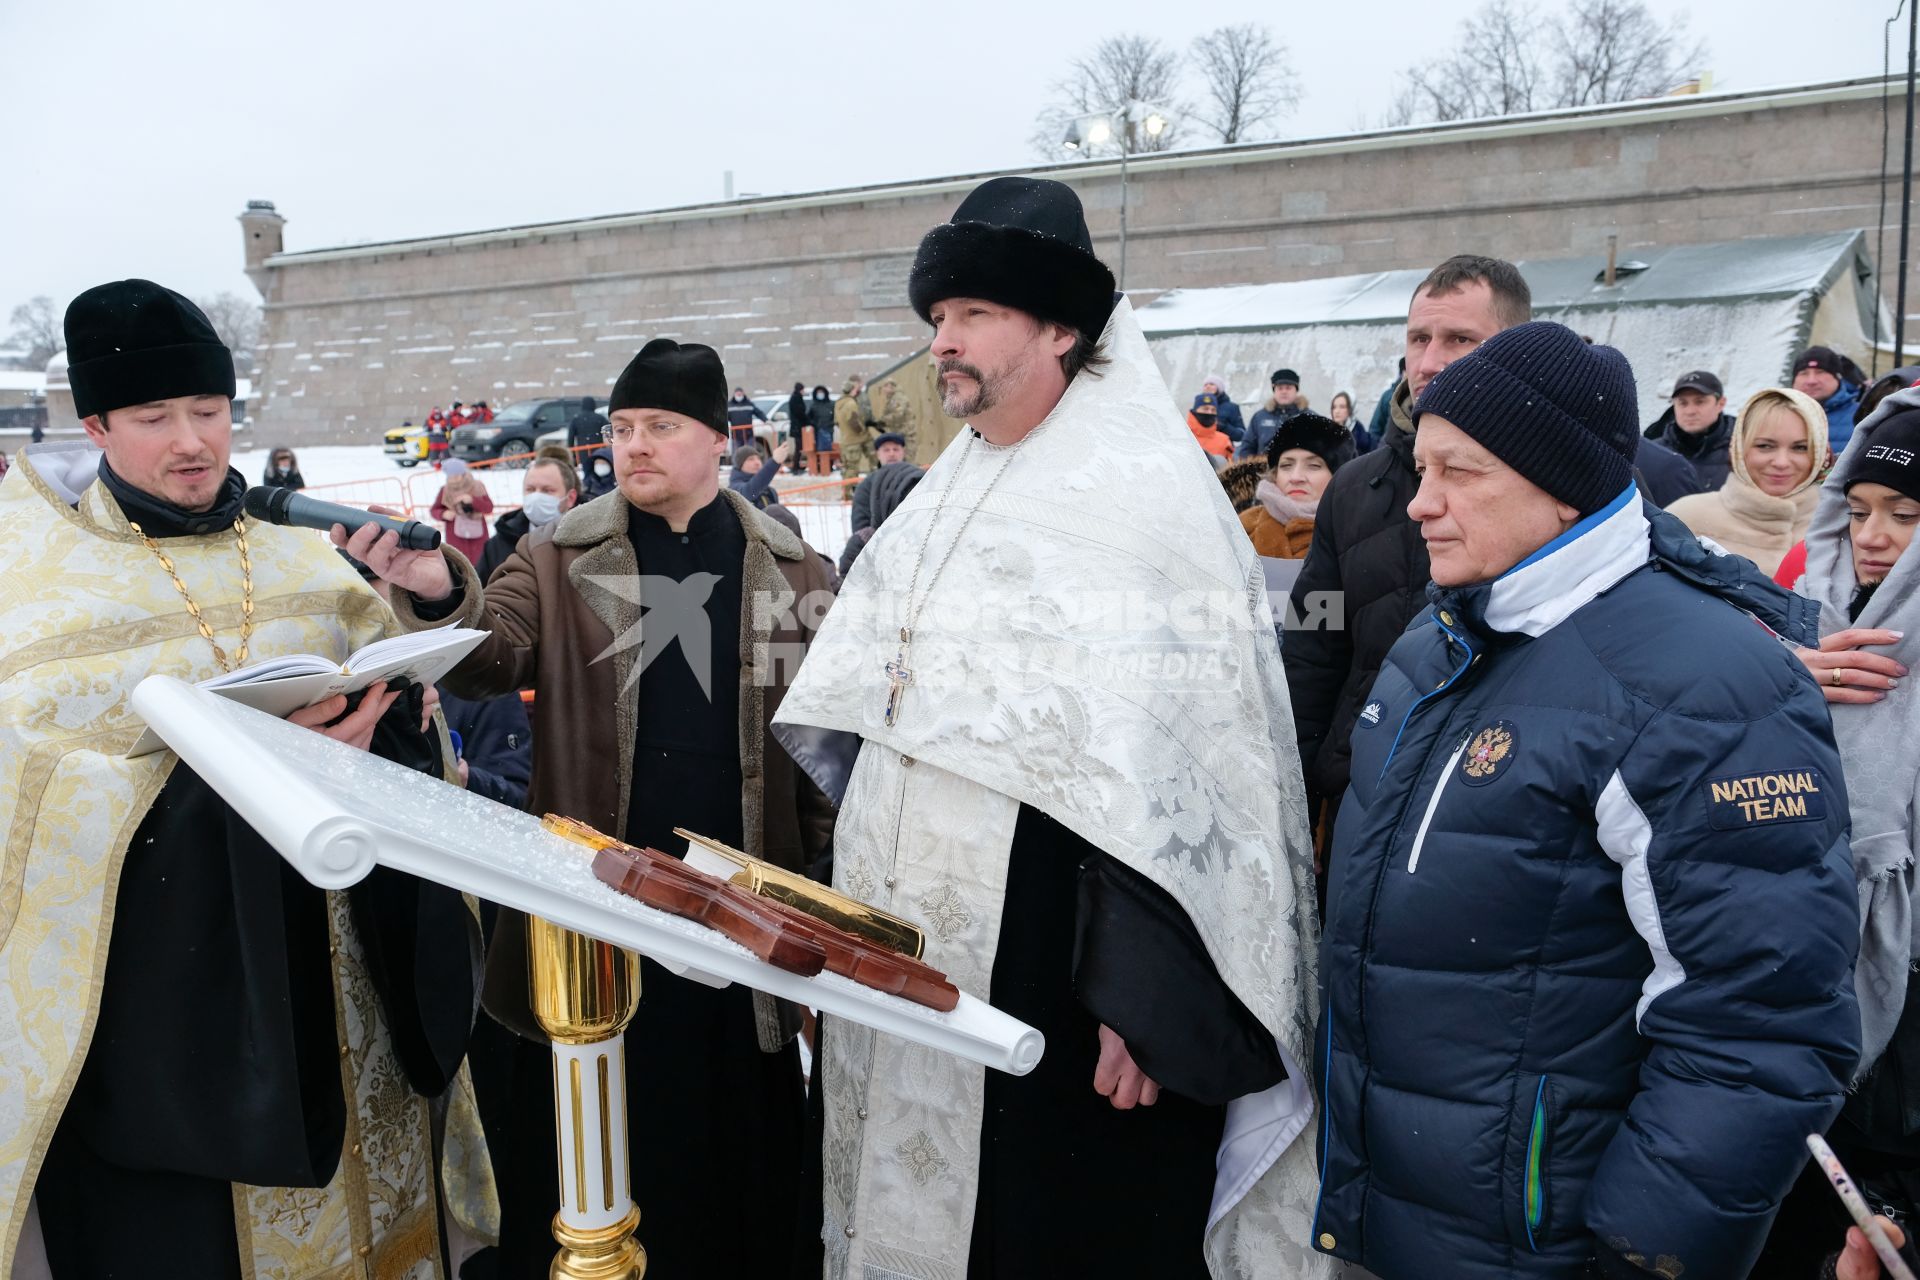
(37, 330)
(1615, 51)
(1495, 70)
(237, 321)
(1509, 61)
(1119, 70)
(1247, 81)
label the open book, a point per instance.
(279, 686)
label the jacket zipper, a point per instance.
(1326, 1071)
(1466, 664)
(1433, 803)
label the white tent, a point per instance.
(1740, 308)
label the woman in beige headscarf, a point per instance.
(1780, 455)
(462, 508)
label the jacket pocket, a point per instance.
(1433, 803)
(1535, 1190)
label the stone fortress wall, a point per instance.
(813, 287)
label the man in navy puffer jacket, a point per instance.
(1587, 967)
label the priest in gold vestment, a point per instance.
(208, 1067)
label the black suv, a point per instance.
(514, 429)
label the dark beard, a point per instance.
(956, 404)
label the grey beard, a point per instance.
(985, 396)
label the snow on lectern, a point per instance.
(334, 813)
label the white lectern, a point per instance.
(335, 813)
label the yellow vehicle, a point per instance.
(407, 445)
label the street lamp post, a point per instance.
(1095, 129)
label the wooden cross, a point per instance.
(899, 675)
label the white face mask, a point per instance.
(603, 469)
(541, 508)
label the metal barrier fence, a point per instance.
(386, 491)
(822, 508)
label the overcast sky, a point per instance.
(140, 130)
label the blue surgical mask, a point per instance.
(541, 508)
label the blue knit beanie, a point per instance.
(1559, 410)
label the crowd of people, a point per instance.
(440, 425)
(1749, 482)
(1518, 908)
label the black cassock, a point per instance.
(717, 1127)
(1070, 1186)
(215, 1058)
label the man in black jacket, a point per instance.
(583, 428)
(1271, 416)
(1698, 427)
(1365, 575)
(741, 413)
(1663, 475)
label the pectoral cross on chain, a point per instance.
(899, 675)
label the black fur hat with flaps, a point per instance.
(1315, 434)
(1021, 243)
(133, 342)
(687, 379)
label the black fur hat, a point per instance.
(1315, 434)
(686, 379)
(133, 341)
(1020, 242)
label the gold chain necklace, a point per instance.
(246, 593)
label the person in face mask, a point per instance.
(549, 490)
(283, 471)
(1201, 420)
(596, 474)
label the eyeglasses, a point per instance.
(659, 431)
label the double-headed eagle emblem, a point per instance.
(1489, 748)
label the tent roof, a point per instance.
(1735, 270)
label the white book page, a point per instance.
(283, 685)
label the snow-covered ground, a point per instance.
(361, 475)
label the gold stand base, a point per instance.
(612, 1254)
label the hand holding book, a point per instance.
(298, 682)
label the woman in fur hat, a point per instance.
(1305, 452)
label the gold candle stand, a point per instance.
(584, 994)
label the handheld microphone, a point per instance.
(284, 506)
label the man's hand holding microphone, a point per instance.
(422, 574)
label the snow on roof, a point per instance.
(1736, 270)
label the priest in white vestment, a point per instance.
(1076, 771)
